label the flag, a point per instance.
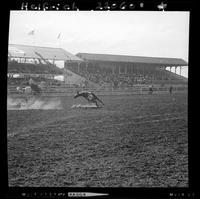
(31, 32)
(59, 36)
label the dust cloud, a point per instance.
(20, 104)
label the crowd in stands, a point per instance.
(104, 78)
(29, 68)
(100, 77)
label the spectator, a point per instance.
(170, 89)
(151, 89)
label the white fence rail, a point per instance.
(66, 90)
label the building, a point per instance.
(36, 60)
(153, 68)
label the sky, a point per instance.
(135, 33)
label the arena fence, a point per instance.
(67, 90)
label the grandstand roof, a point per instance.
(132, 59)
(38, 52)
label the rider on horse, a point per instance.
(35, 87)
(30, 89)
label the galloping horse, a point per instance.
(30, 93)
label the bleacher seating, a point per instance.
(148, 77)
(100, 77)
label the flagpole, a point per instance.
(34, 39)
(32, 33)
(58, 40)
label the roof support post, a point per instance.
(180, 70)
(121, 71)
(78, 64)
(136, 70)
(65, 71)
(86, 66)
(126, 69)
(65, 75)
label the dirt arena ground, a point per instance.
(134, 141)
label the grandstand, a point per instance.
(100, 72)
(37, 62)
(129, 70)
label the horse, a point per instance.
(30, 93)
